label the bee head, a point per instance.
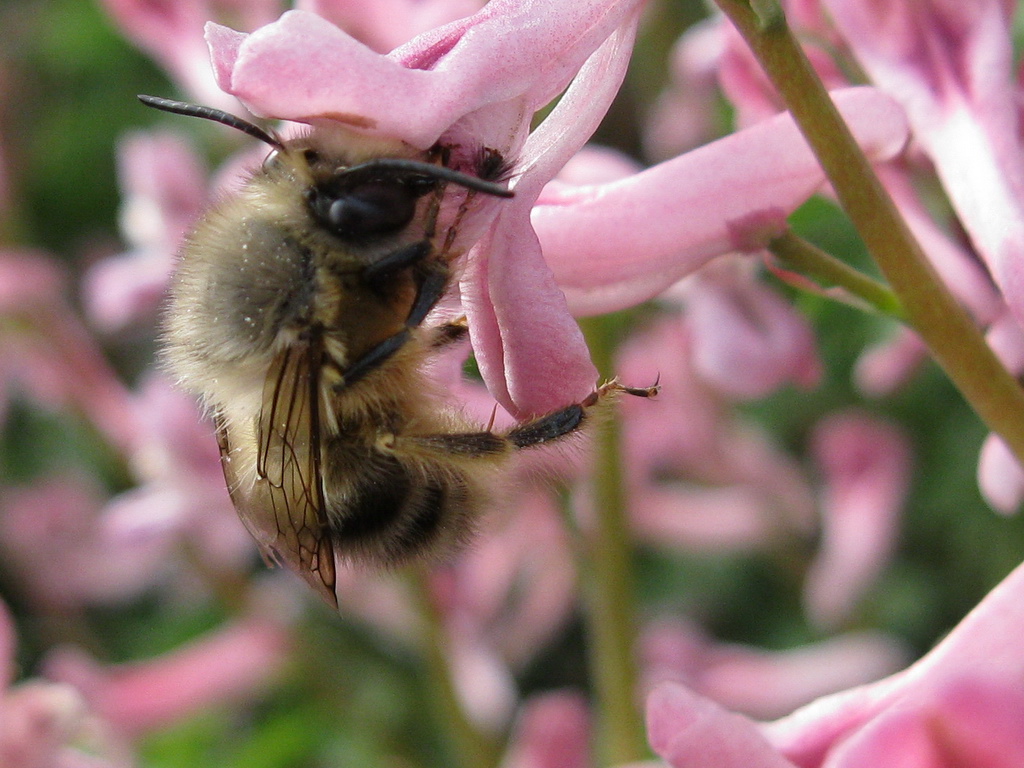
(373, 199)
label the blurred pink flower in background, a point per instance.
(171, 31)
(229, 665)
(101, 559)
(49, 725)
(551, 731)
(698, 475)
(50, 356)
(865, 464)
(747, 341)
(757, 682)
(683, 116)
(163, 189)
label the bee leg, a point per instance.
(551, 426)
(431, 288)
(567, 420)
(449, 333)
(380, 273)
(372, 359)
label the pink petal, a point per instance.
(530, 351)
(531, 354)
(698, 519)
(552, 731)
(889, 365)
(951, 66)
(228, 665)
(866, 465)
(386, 24)
(1000, 477)
(987, 646)
(263, 70)
(690, 731)
(965, 724)
(508, 51)
(604, 260)
(748, 341)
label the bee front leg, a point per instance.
(431, 285)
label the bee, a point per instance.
(296, 314)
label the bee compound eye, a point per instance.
(372, 209)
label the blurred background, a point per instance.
(126, 576)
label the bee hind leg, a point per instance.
(570, 419)
(551, 426)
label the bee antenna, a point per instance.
(209, 113)
(415, 167)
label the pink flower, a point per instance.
(51, 354)
(60, 520)
(229, 665)
(762, 683)
(613, 245)
(957, 706)
(48, 725)
(950, 64)
(163, 188)
(478, 81)
(747, 341)
(866, 468)
(552, 731)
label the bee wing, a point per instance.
(285, 510)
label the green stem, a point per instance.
(955, 341)
(808, 259)
(608, 584)
(471, 747)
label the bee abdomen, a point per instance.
(400, 512)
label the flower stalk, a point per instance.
(794, 252)
(609, 583)
(931, 309)
(471, 748)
